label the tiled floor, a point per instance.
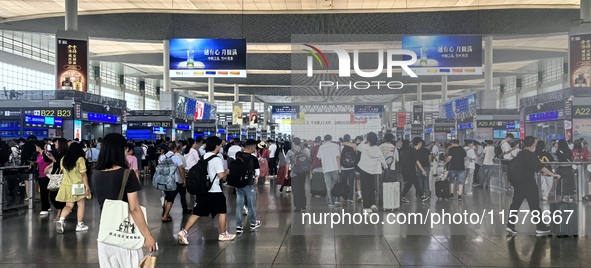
(28, 240)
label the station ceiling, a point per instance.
(526, 33)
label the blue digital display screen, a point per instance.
(499, 134)
(30, 119)
(43, 120)
(191, 106)
(159, 130)
(221, 131)
(139, 134)
(183, 127)
(465, 126)
(103, 118)
(543, 116)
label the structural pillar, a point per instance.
(236, 93)
(403, 106)
(489, 99)
(166, 63)
(210, 89)
(267, 116)
(586, 10)
(252, 102)
(443, 88)
(71, 15)
(419, 92)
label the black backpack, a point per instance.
(5, 153)
(515, 170)
(301, 163)
(348, 157)
(198, 181)
(241, 170)
(499, 151)
(442, 157)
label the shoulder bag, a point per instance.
(55, 180)
(117, 227)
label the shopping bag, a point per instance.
(149, 261)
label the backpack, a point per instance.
(198, 181)
(515, 170)
(277, 152)
(301, 164)
(5, 153)
(241, 171)
(348, 157)
(499, 151)
(441, 157)
(164, 177)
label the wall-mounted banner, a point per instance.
(364, 112)
(285, 112)
(580, 60)
(77, 129)
(568, 130)
(236, 114)
(401, 119)
(208, 58)
(72, 61)
(445, 55)
(417, 113)
(253, 119)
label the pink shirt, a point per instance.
(132, 161)
(42, 165)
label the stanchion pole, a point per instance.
(1, 191)
(32, 191)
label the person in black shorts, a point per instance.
(213, 202)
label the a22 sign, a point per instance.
(581, 111)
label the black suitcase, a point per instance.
(442, 189)
(317, 185)
(569, 213)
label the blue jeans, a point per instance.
(331, 178)
(424, 180)
(457, 175)
(348, 176)
(487, 172)
(249, 193)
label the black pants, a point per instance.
(410, 179)
(171, 195)
(43, 182)
(528, 191)
(368, 188)
(476, 173)
(298, 185)
(272, 166)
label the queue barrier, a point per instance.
(580, 172)
(10, 197)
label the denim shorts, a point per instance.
(457, 175)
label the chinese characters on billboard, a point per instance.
(72, 64)
(580, 60)
(208, 58)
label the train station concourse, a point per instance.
(295, 133)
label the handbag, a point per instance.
(149, 261)
(78, 189)
(55, 181)
(117, 227)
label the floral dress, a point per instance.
(71, 177)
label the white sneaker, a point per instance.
(374, 208)
(44, 213)
(267, 182)
(256, 225)
(244, 210)
(183, 237)
(59, 227)
(367, 210)
(81, 228)
(162, 201)
(226, 237)
(288, 190)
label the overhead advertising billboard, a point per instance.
(364, 112)
(72, 61)
(199, 111)
(236, 114)
(285, 112)
(401, 119)
(208, 58)
(417, 113)
(580, 60)
(445, 55)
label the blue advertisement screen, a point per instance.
(191, 106)
(183, 127)
(105, 118)
(435, 54)
(465, 126)
(206, 111)
(543, 116)
(208, 57)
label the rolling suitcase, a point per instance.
(317, 185)
(391, 195)
(442, 189)
(569, 213)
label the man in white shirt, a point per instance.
(330, 155)
(487, 164)
(507, 155)
(435, 156)
(479, 150)
(470, 166)
(169, 196)
(214, 202)
(272, 160)
(234, 148)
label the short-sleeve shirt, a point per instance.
(531, 165)
(506, 147)
(107, 184)
(489, 155)
(413, 156)
(424, 154)
(458, 154)
(74, 176)
(131, 161)
(176, 160)
(328, 153)
(214, 166)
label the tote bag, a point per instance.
(55, 181)
(117, 227)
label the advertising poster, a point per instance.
(237, 114)
(417, 113)
(445, 55)
(484, 134)
(78, 129)
(364, 112)
(208, 58)
(285, 112)
(580, 60)
(582, 128)
(71, 63)
(568, 130)
(199, 111)
(401, 119)
(253, 119)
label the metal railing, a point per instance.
(8, 187)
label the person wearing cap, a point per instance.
(330, 155)
(248, 193)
